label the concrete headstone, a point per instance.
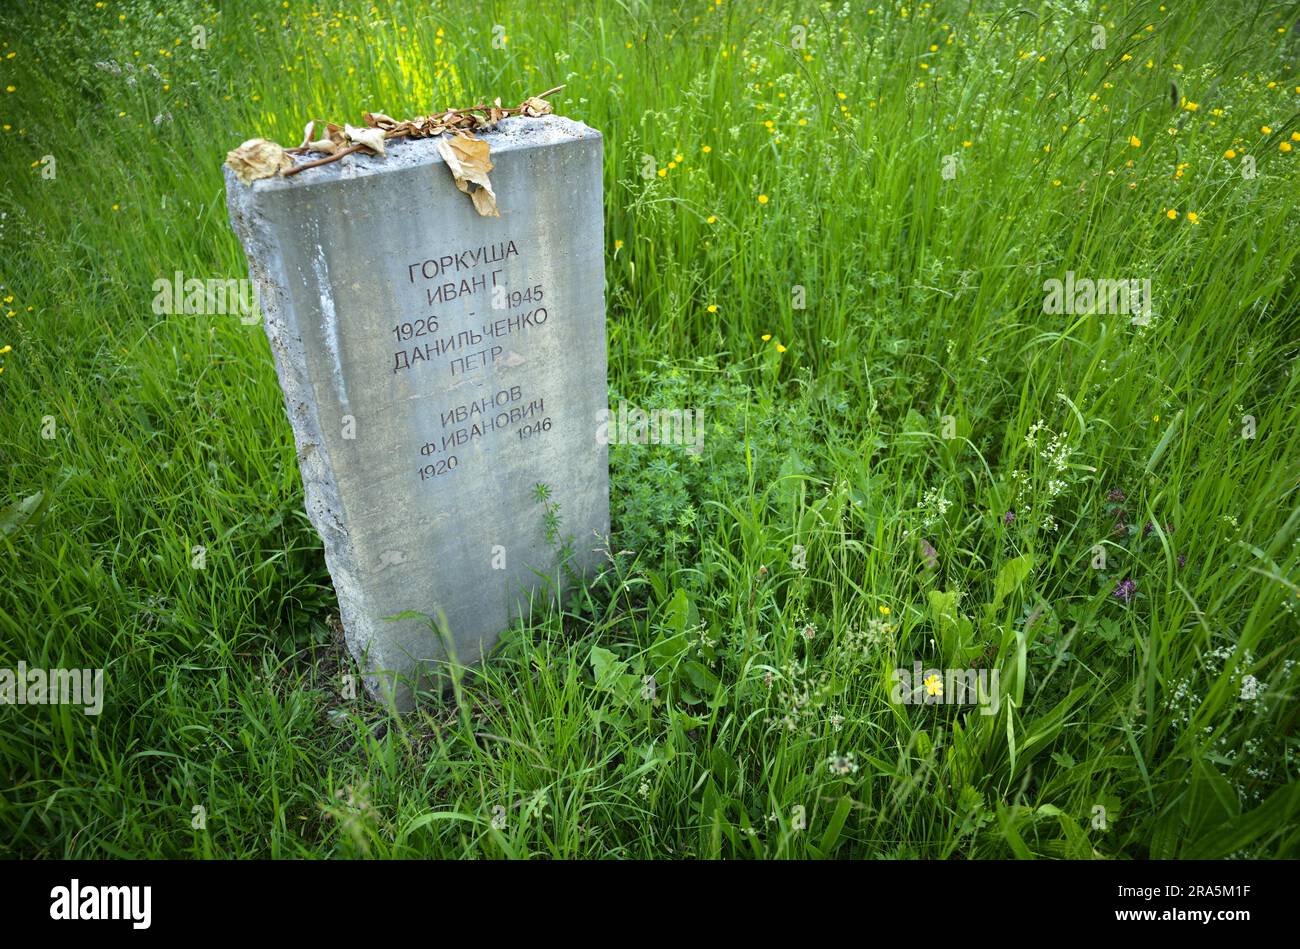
(436, 367)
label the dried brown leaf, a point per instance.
(257, 158)
(485, 202)
(535, 106)
(371, 138)
(469, 160)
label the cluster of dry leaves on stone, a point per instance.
(467, 156)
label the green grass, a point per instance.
(924, 319)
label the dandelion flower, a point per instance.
(1171, 214)
(780, 348)
(1135, 141)
(712, 308)
(1192, 217)
(765, 337)
(762, 199)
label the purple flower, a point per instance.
(1182, 561)
(1126, 590)
(1115, 496)
(929, 553)
(1009, 517)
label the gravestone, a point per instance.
(437, 366)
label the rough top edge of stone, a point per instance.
(511, 134)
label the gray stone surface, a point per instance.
(419, 471)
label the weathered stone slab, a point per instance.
(436, 366)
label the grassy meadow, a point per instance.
(829, 226)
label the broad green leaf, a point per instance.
(1011, 577)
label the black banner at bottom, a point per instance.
(926, 900)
